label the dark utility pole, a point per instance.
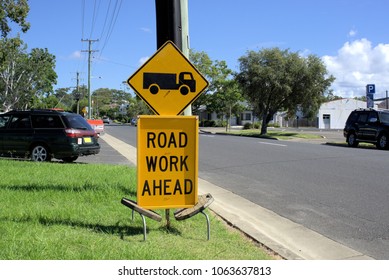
(168, 19)
(78, 93)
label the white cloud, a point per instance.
(357, 64)
(143, 60)
(352, 33)
(76, 55)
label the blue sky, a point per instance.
(352, 37)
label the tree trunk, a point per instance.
(264, 124)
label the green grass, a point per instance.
(282, 135)
(51, 211)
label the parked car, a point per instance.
(45, 134)
(368, 125)
(106, 120)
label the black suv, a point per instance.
(368, 125)
(45, 134)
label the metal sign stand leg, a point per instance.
(208, 226)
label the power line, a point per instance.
(115, 62)
(105, 20)
(82, 18)
(96, 8)
(115, 15)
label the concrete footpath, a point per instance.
(288, 239)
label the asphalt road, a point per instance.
(339, 192)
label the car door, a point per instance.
(371, 127)
(18, 135)
(361, 125)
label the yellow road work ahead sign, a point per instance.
(167, 151)
(168, 82)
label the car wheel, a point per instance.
(382, 141)
(70, 159)
(40, 153)
(352, 140)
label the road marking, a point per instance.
(266, 143)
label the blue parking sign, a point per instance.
(370, 88)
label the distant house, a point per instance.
(331, 115)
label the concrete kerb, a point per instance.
(288, 239)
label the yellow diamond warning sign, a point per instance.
(168, 82)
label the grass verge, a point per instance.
(281, 135)
(55, 211)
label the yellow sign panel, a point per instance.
(168, 82)
(167, 161)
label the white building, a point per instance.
(334, 114)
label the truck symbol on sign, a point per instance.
(154, 82)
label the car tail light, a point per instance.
(73, 133)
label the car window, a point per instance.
(77, 122)
(384, 117)
(19, 122)
(372, 117)
(3, 121)
(353, 117)
(362, 118)
(45, 121)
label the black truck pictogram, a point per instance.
(154, 82)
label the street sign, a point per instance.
(167, 152)
(370, 91)
(168, 82)
(370, 88)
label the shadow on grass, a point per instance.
(117, 229)
(62, 188)
(254, 135)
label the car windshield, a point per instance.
(384, 117)
(78, 122)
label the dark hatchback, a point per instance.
(46, 134)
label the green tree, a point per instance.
(226, 100)
(223, 95)
(79, 95)
(138, 107)
(15, 11)
(62, 98)
(24, 77)
(106, 101)
(203, 63)
(329, 96)
(273, 80)
(66, 99)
